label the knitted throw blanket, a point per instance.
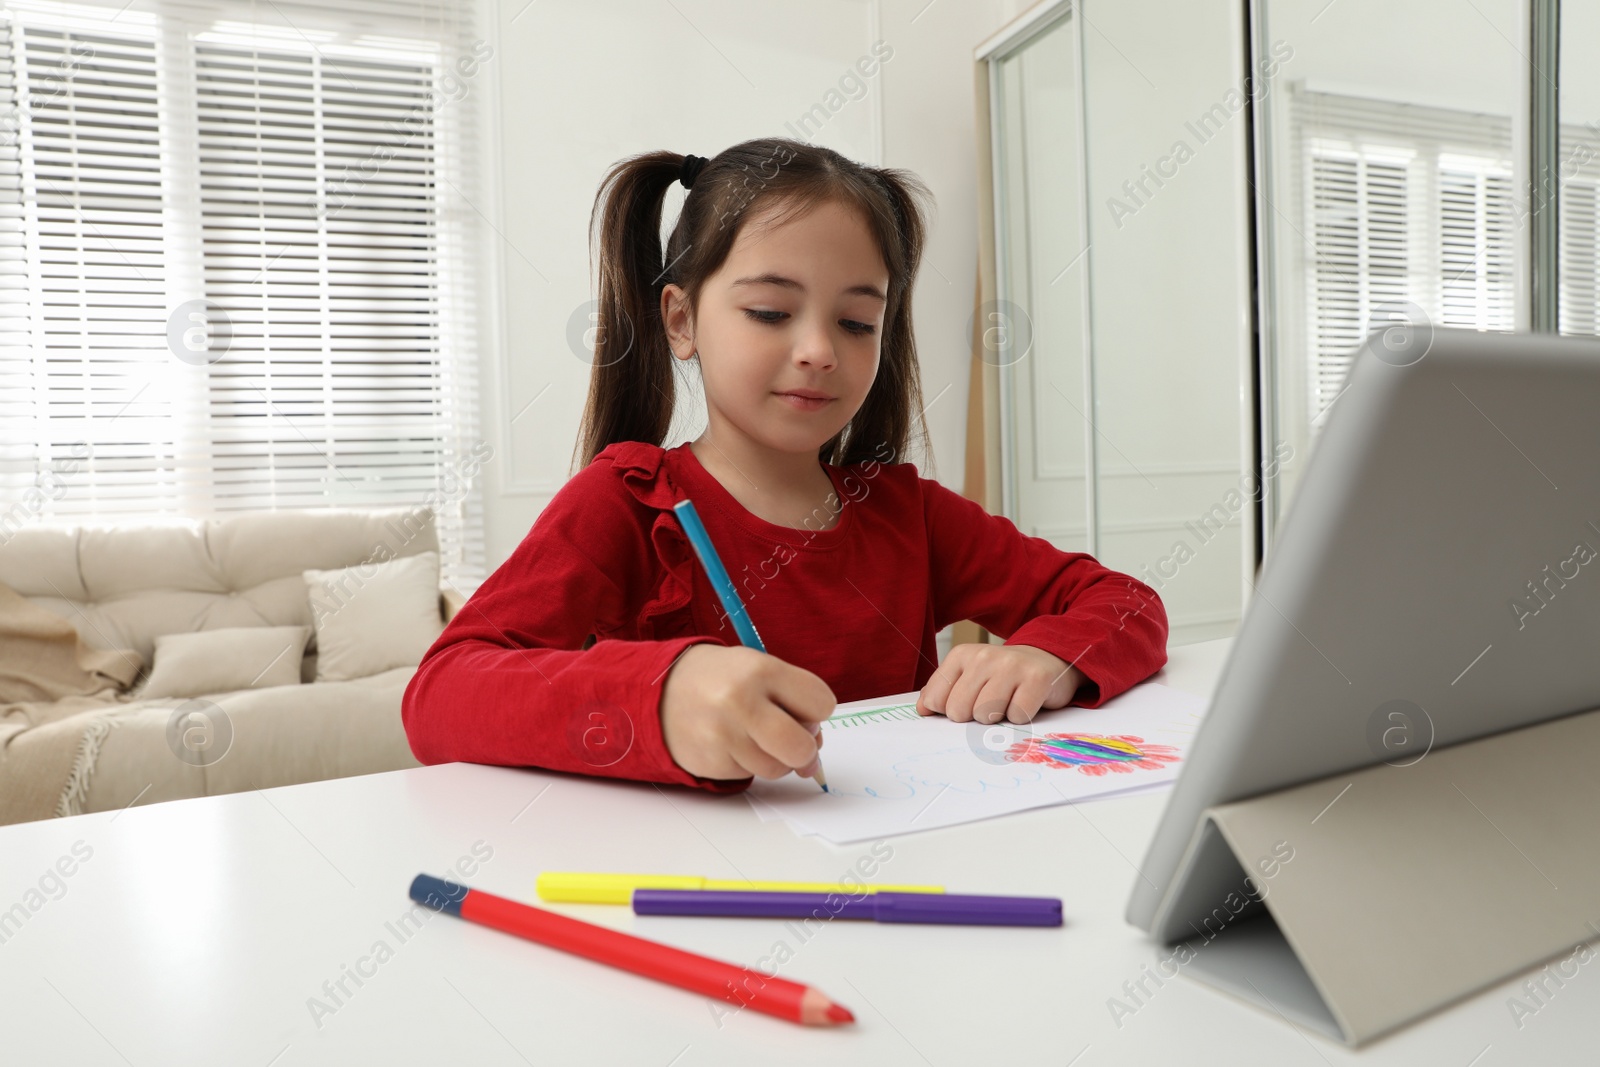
(55, 693)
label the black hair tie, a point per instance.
(690, 169)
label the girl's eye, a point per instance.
(761, 315)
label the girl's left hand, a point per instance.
(986, 683)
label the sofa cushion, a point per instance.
(123, 585)
(374, 616)
(221, 661)
(281, 736)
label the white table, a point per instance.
(198, 931)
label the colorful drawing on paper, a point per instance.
(1093, 754)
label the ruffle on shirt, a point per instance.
(644, 474)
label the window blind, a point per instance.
(1579, 299)
(19, 462)
(247, 253)
(329, 385)
(1475, 236)
(1361, 261)
(90, 255)
(1402, 203)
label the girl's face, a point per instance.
(787, 329)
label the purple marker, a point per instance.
(878, 907)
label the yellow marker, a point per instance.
(579, 887)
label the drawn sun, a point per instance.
(1093, 754)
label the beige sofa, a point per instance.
(122, 586)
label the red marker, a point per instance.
(700, 974)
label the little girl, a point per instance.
(600, 647)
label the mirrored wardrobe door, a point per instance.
(1038, 329)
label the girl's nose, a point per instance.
(815, 351)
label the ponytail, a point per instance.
(631, 385)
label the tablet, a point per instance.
(1436, 579)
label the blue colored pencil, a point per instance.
(726, 591)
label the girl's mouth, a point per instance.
(802, 402)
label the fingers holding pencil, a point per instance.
(808, 700)
(788, 742)
(814, 768)
(728, 712)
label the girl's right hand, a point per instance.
(733, 712)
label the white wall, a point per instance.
(581, 85)
(1436, 52)
(1580, 76)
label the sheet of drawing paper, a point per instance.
(767, 813)
(892, 771)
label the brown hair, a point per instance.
(631, 386)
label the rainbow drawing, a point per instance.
(1093, 754)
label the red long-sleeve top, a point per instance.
(514, 679)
